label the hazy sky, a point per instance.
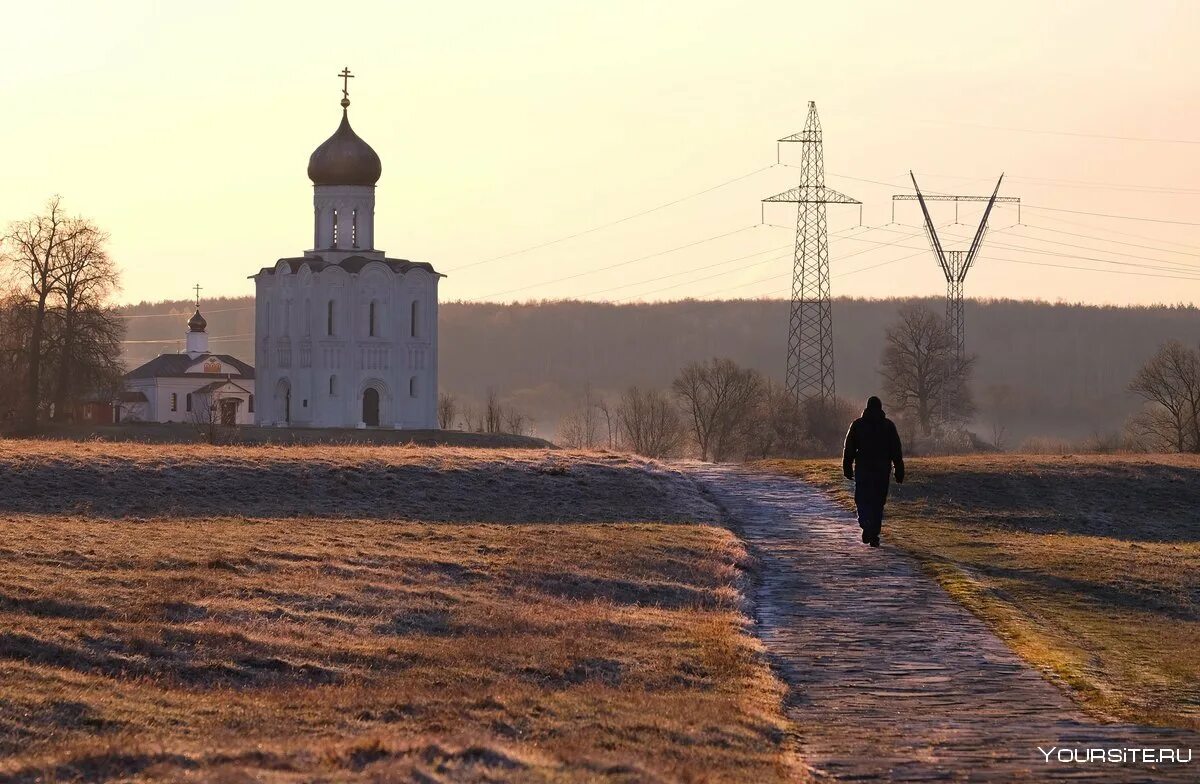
(185, 130)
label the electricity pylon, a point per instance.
(810, 324)
(957, 263)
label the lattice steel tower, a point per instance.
(810, 325)
(957, 263)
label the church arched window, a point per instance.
(335, 228)
(307, 317)
(415, 325)
(332, 386)
(329, 318)
(412, 387)
(372, 328)
(354, 228)
(189, 401)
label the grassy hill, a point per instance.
(285, 614)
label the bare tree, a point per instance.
(515, 422)
(1170, 385)
(205, 414)
(86, 329)
(447, 410)
(718, 398)
(922, 377)
(581, 428)
(31, 248)
(777, 426)
(493, 412)
(469, 422)
(649, 423)
(826, 422)
(610, 424)
(63, 280)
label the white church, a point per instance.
(194, 385)
(345, 336)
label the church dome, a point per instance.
(197, 323)
(344, 159)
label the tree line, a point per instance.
(718, 410)
(60, 336)
(1042, 370)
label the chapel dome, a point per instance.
(197, 323)
(344, 159)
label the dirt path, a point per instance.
(908, 685)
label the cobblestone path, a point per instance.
(890, 678)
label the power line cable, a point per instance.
(685, 272)
(1069, 133)
(1010, 229)
(620, 263)
(1110, 215)
(1105, 239)
(241, 336)
(611, 223)
(783, 256)
(1091, 269)
(182, 313)
(1107, 230)
(1056, 254)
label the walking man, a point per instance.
(872, 448)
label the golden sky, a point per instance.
(185, 128)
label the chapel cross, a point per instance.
(346, 77)
(197, 288)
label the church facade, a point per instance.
(344, 335)
(194, 386)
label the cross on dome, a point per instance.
(346, 77)
(344, 158)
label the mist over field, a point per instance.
(1068, 365)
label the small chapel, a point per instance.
(345, 335)
(194, 385)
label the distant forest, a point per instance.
(1067, 366)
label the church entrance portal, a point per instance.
(370, 412)
(283, 402)
(229, 412)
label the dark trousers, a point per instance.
(870, 494)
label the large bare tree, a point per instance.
(649, 423)
(31, 249)
(1170, 385)
(921, 375)
(718, 398)
(86, 330)
(61, 280)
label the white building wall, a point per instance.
(300, 356)
(158, 392)
(355, 209)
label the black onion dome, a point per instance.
(344, 159)
(197, 323)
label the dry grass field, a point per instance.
(373, 614)
(1089, 566)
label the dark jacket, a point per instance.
(873, 445)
